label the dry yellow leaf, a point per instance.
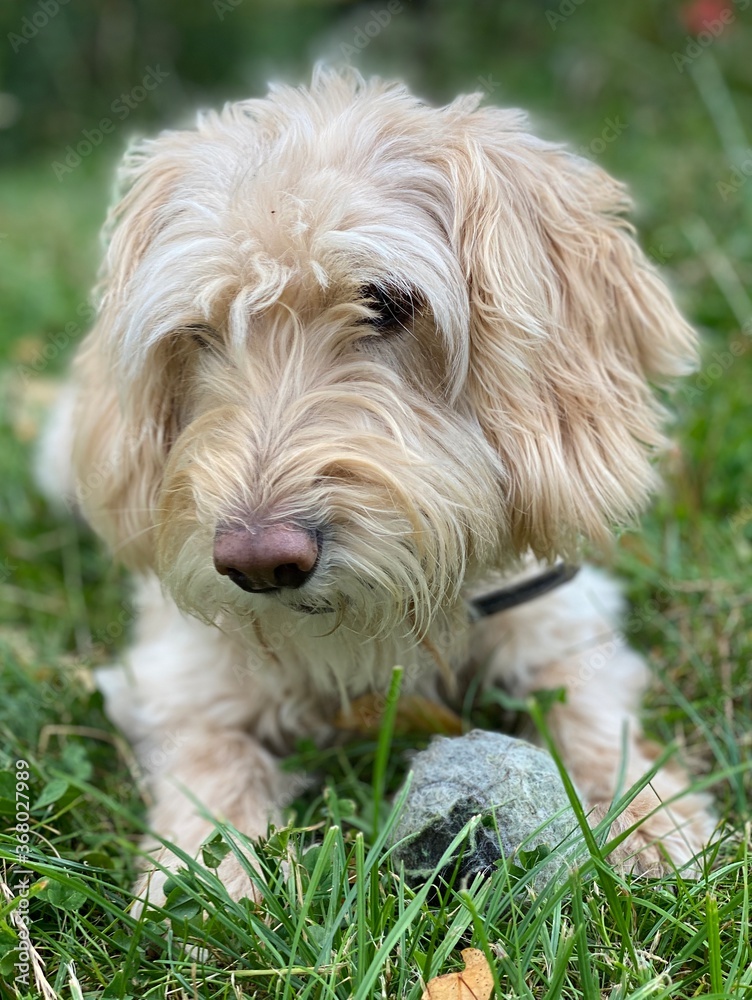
(414, 715)
(474, 983)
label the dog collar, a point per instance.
(504, 598)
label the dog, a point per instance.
(357, 359)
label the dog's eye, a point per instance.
(202, 335)
(390, 309)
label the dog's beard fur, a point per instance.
(509, 411)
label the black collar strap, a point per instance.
(520, 593)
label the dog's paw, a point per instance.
(642, 852)
(661, 842)
(150, 886)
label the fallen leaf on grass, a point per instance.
(475, 982)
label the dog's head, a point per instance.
(352, 351)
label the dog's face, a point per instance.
(353, 351)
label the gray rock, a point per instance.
(512, 784)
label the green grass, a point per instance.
(338, 920)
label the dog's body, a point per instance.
(353, 357)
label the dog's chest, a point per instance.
(303, 686)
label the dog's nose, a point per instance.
(263, 559)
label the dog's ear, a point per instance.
(123, 427)
(569, 326)
(118, 456)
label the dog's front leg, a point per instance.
(187, 698)
(570, 639)
(212, 772)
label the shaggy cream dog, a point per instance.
(354, 357)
